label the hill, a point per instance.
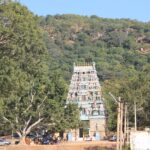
(119, 47)
(121, 50)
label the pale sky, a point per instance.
(132, 9)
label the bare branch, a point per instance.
(3, 40)
(17, 120)
(32, 96)
(113, 97)
(6, 119)
(38, 107)
(39, 114)
(18, 132)
(33, 125)
(27, 123)
(31, 102)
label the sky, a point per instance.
(130, 9)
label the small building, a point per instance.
(140, 140)
(85, 91)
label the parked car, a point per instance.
(15, 135)
(31, 136)
(47, 139)
(113, 138)
(4, 142)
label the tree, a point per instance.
(30, 94)
(72, 116)
(132, 90)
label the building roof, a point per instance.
(84, 67)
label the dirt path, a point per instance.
(101, 145)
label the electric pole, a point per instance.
(120, 116)
(125, 123)
(118, 123)
(121, 124)
(135, 117)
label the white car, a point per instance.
(4, 142)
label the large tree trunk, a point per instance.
(23, 140)
(22, 137)
(26, 130)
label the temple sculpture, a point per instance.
(85, 91)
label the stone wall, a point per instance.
(97, 125)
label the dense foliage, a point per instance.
(120, 49)
(33, 92)
(37, 54)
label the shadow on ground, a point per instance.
(99, 148)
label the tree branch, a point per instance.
(38, 107)
(3, 40)
(6, 119)
(27, 123)
(31, 102)
(17, 120)
(33, 125)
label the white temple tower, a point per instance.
(85, 90)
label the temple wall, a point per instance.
(97, 125)
(85, 90)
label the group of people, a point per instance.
(47, 139)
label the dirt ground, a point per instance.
(92, 145)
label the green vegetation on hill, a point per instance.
(36, 62)
(120, 48)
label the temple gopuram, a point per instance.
(85, 91)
